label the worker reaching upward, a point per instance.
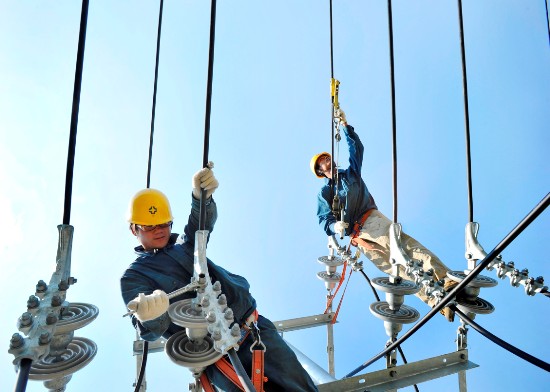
(165, 263)
(360, 210)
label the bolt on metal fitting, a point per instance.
(25, 320)
(235, 330)
(216, 335)
(210, 317)
(63, 285)
(228, 314)
(33, 302)
(51, 318)
(56, 300)
(16, 341)
(41, 286)
(44, 338)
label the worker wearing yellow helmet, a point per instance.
(165, 263)
(360, 218)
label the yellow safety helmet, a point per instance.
(313, 163)
(149, 207)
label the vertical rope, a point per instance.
(394, 132)
(143, 366)
(202, 215)
(153, 109)
(333, 189)
(466, 116)
(74, 114)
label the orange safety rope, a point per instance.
(353, 241)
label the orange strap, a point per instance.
(358, 226)
(258, 370)
(205, 382)
(227, 370)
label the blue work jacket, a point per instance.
(171, 268)
(352, 190)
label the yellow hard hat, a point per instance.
(313, 163)
(149, 207)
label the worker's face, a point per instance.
(153, 237)
(324, 166)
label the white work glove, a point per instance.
(149, 307)
(204, 179)
(340, 228)
(340, 116)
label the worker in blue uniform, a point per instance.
(360, 212)
(164, 263)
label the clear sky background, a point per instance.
(271, 112)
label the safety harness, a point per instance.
(250, 326)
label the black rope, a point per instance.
(505, 345)
(241, 373)
(547, 20)
(202, 216)
(401, 353)
(153, 110)
(74, 114)
(23, 375)
(466, 116)
(539, 208)
(142, 366)
(393, 120)
(334, 187)
(145, 353)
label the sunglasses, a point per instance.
(153, 227)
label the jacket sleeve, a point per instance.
(193, 221)
(131, 284)
(324, 212)
(356, 149)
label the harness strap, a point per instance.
(258, 369)
(227, 370)
(357, 228)
(205, 382)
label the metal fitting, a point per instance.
(56, 300)
(51, 318)
(25, 320)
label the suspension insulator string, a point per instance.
(466, 115)
(26, 363)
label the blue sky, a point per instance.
(270, 114)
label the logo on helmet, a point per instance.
(152, 210)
